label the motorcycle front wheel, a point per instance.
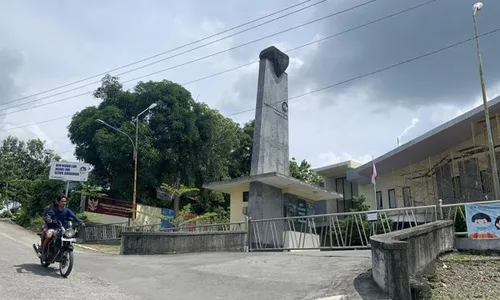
(44, 263)
(66, 264)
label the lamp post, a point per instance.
(136, 119)
(136, 150)
(496, 185)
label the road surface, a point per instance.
(234, 276)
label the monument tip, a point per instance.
(279, 59)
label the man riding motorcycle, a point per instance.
(49, 210)
(60, 213)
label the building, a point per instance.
(450, 162)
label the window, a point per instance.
(339, 185)
(344, 187)
(457, 187)
(392, 198)
(380, 202)
(407, 200)
(486, 181)
(246, 196)
(347, 189)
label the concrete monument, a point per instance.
(270, 140)
(269, 191)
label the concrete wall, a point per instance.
(398, 255)
(236, 204)
(466, 244)
(141, 243)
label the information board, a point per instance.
(69, 171)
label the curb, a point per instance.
(93, 249)
(86, 247)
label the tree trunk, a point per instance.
(177, 197)
(177, 200)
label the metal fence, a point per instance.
(221, 227)
(456, 212)
(350, 230)
(104, 232)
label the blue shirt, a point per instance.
(61, 215)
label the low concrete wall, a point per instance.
(182, 242)
(399, 255)
(466, 244)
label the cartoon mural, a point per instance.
(483, 220)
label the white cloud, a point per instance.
(330, 158)
(342, 123)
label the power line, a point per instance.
(357, 77)
(317, 41)
(191, 61)
(247, 64)
(378, 70)
(38, 123)
(180, 47)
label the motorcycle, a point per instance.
(60, 248)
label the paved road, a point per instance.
(265, 276)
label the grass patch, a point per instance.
(104, 247)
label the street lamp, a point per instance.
(496, 185)
(136, 150)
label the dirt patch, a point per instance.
(465, 276)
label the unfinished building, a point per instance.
(450, 162)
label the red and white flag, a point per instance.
(374, 172)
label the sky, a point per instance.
(47, 44)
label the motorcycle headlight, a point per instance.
(69, 233)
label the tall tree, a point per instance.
(181, 142)
(242, 156)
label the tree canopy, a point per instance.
(24, 170)
(181, 143)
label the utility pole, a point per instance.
(491, 147)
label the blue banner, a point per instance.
(483, 220)
(167, 213)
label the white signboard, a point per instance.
(69, 171)
(372, 216)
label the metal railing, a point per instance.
(220, 227)
(350, 230)
(104, 232)
(456, 212)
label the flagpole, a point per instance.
(374, 183)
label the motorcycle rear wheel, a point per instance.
(66, 261)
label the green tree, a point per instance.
(358, 203)
(24, 170)
(177, 193)
(304, 172)
(242, 156)
(181, 142)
